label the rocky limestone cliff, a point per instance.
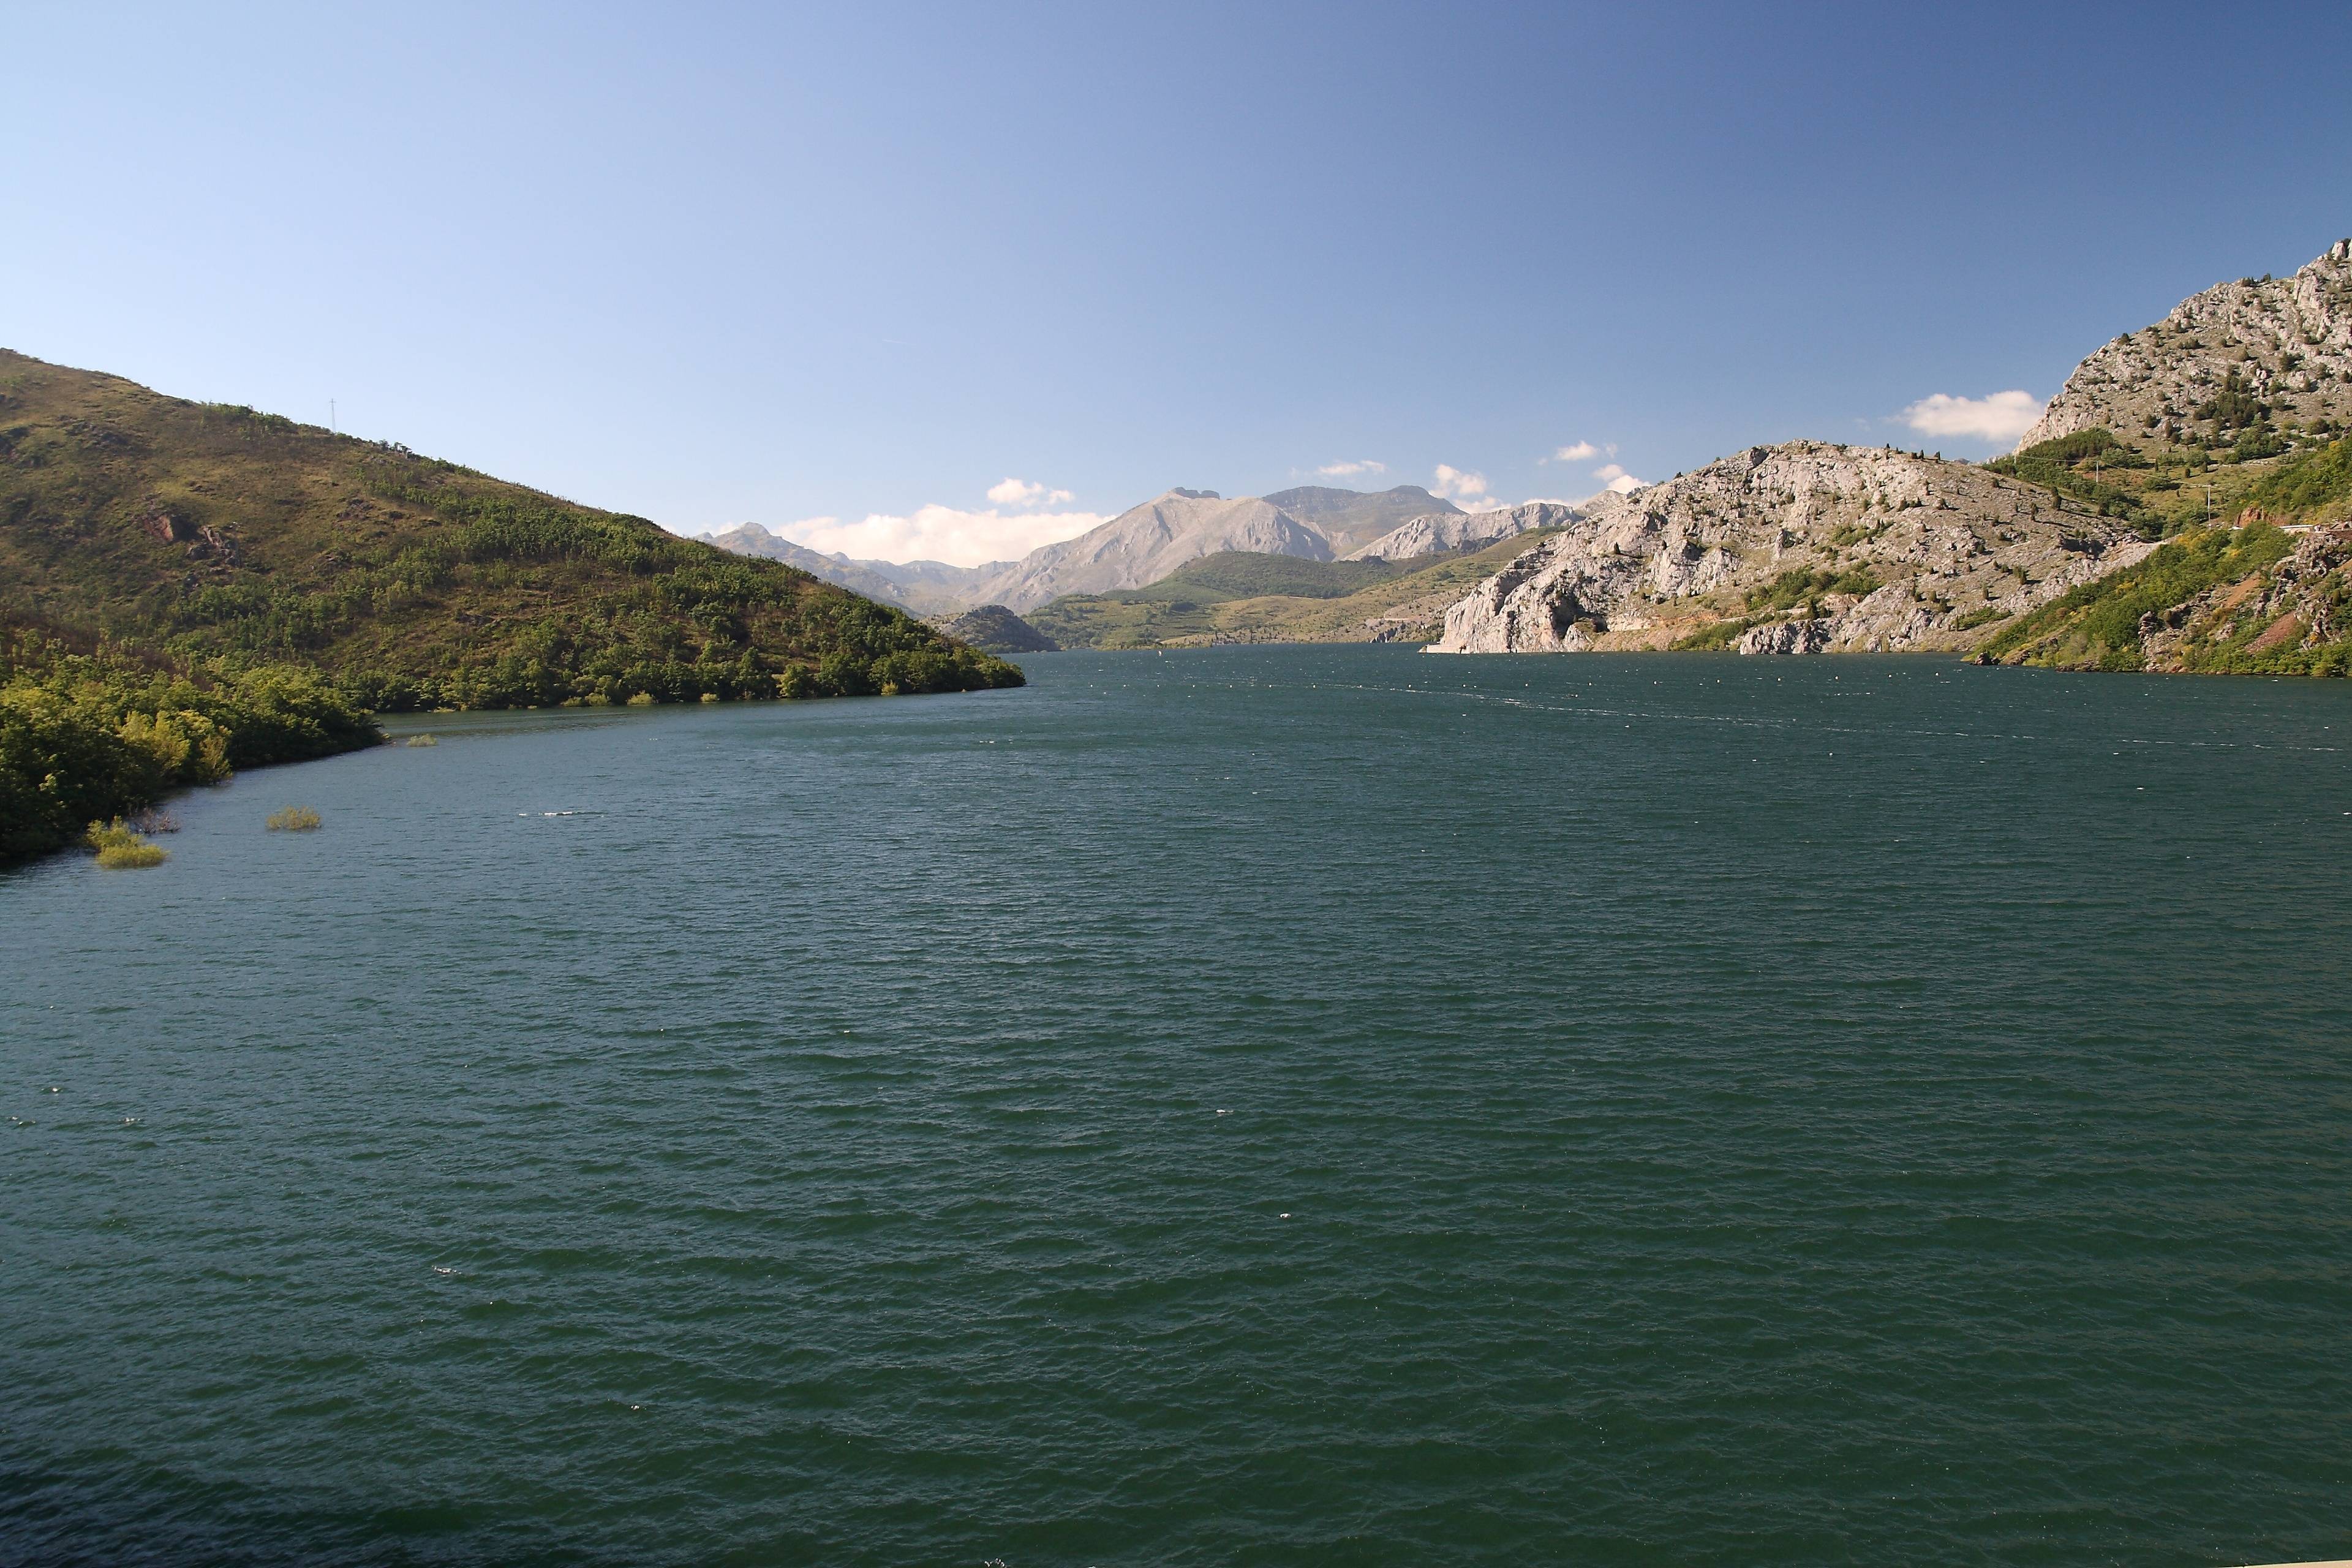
(1800, 548)
(2288, 340)
(1428, 536)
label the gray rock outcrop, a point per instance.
(992, 628)
(1786, 637)
(1807, 547)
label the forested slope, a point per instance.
(205, 533)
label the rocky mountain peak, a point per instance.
(2282, 343)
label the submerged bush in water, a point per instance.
(293, 819)
(423, 741)
(120, 850)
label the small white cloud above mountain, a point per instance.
(1349, 470)
(1999, 418)
(1578, 452)
(946, 533)
(1010, 492)
(1626, 484)
(1465, 487)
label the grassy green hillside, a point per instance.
(2260, 598)
(1246, 574)
(1237, 597)
(213, 535)
(2238, 458)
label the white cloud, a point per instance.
(2000, 419)
(942, 533)
(1010, 492)
(1348, 471)
(1465, 487)
(1615, 478)
(1578, 452)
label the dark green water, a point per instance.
(1264, 1106)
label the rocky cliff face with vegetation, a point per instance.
(211, 535)
(2261, 352)
(1805, 547)
(2181, 506)
(2255, 599)
(2220, 429)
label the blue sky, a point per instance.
(716, 264)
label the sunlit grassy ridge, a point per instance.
(203, 531)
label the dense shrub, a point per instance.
(1798, 586)
(2320, 478)
(120, 849)
(1711, 637)
(87, 739)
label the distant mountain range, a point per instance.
(1147, 542)
(1463, 530)
(926, 588)
(1233, 597)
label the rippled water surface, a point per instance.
(1262, 1105)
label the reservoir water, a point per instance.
(1273, 1106)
